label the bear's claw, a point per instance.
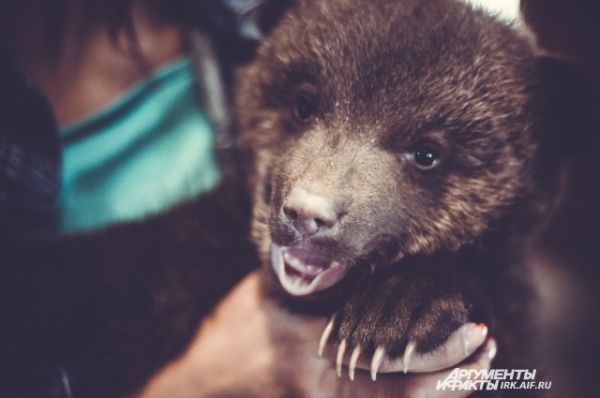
(376, 362)
(325, 336)
(353, 360)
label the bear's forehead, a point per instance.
(407, 41)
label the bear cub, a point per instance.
(401, 154)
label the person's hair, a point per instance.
(213, 16)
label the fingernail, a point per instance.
(484, 329)
(474, 336)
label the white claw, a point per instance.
(378, 357)
(353, 360)
(408, 353)
(340, 357)
(325, 337)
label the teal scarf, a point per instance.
(144, 153)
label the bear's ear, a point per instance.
(573, 97)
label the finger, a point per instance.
(426, 385)
(459, 346)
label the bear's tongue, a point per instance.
(304, 262)
(303, 272)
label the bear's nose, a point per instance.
(309, 213)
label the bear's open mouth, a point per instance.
(302, 272)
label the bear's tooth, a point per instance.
(294, 262)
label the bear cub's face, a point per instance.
(373, 121)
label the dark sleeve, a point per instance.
(29, 186)
(114, 306)
(29, 155)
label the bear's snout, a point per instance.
(309, 214)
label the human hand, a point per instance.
(253, 347)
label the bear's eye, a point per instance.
(304, 107)
(424, 157)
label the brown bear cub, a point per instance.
(402, 153)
